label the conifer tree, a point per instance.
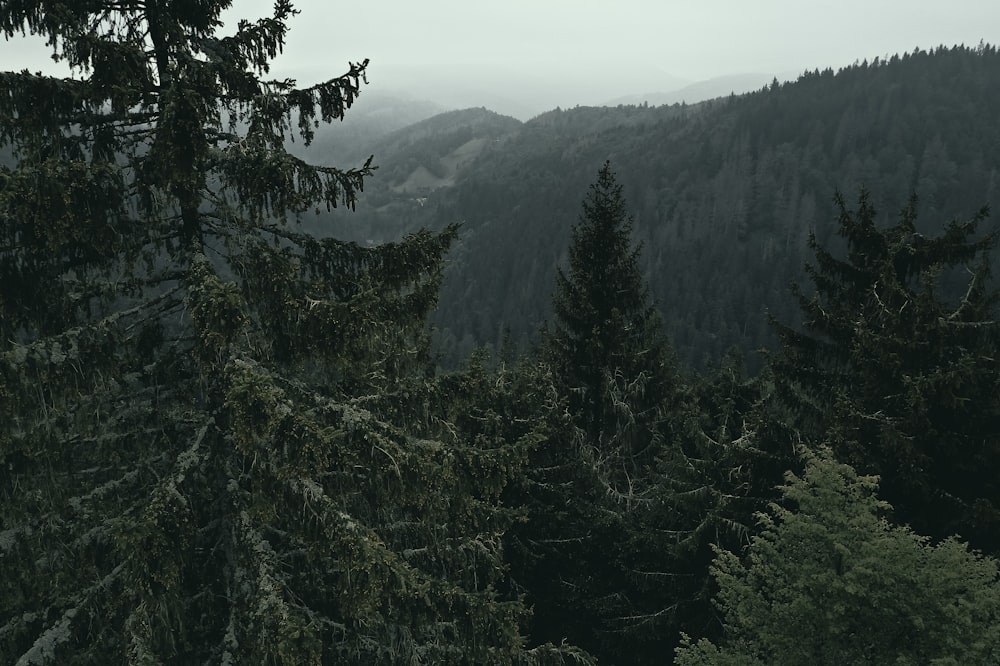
(712, 475)
(557, 553)
(519, 404)
(213, 427)
(897, 368)
(606, 344)
(612, 366)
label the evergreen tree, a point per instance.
(612, 366)
(829, 581)
(712, 476)
(553, 553)
(606, 344)
(517, 408)
(214, 428)
(897, 368)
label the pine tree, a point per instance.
(897, 368)
(213, 426)
(554, 562)
(516, 408)
(713, 473)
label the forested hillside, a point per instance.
(373, 117)
(724, 193)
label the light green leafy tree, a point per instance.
(215, 440)
(829, 581)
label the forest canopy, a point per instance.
(225, 436)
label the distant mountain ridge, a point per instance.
(374, 115)
(692, 93)
(513, 92)
(724, 193)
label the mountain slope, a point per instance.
(724, 193)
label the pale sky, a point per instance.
(597, 49)
(691, 39)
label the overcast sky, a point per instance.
(691, 39)
(599, 49)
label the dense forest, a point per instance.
(724, 193)
(227, 436)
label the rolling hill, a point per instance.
(725, 193)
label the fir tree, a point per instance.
(612, 366)
(712, 475)
(897, 368)
(554, 558)
(553, 496)
(606, 343)
(213, 427)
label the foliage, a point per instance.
(715, 470)
(550, 492)
(897, 367)
(829, 581)
(224, 441)
(553, 560)
(213, 426)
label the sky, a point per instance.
(585, 51)
(689, 39)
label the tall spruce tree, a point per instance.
(606, 344)
(898, 368)
(213, 432)
(612, 367)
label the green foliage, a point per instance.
(549, 490)
(897, 367)
(215, 429)
(829, 581)
(223, 440)
(553, 560)
(715, 470)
